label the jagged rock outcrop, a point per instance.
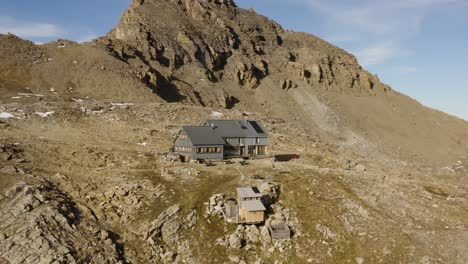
(163, 235)
(232, 48)
(40, 224)
(11, 153)
(239, 46)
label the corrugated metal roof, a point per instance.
(237, 128)
(253, 206)
(247, 192)
(202, 135)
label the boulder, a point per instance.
(234, 259)
(191, 219)
(170, 230)
(168, 257)
(155, 226)
(235, 241)
(360, 168)
(265, 235)
(104, 234)
(253, 234)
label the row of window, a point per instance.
(183, 137)
(199, 150)
(239, 140)
(209, 150)
(183, 149)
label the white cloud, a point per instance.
(375, 55)
(423, 3)
(368, 23)
(29, 29)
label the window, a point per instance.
(208, 150)
(257, 140)
(183, 149)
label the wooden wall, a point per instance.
(252, 217)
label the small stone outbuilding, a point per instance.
(249, 210)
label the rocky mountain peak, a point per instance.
(172, 43)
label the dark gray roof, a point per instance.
(253, 206)
(202, 135)
(237, 128)
(247, 192)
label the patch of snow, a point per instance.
(448, 168)
(121, 104)
(16, 97)
(45, 114)
(360, 260)
(61, 46)
(216, 114)
(76, 100)
(5, 115)
(144, 144)
(30, 94)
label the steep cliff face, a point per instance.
(170, 41)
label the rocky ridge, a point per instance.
(40, 224)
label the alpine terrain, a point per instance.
(363, 173)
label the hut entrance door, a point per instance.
(242, 151)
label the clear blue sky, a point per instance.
(419, 47)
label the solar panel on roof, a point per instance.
(257, 127)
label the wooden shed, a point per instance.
(251, 209)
